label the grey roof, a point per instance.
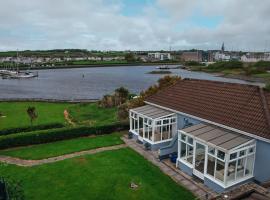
(152, 111)
(217, 136)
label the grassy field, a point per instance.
(92, 114)
(53, 149)
(15, 114)
(105, 175)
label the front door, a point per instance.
(199, 160)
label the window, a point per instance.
(165, 129)
(221, 155)
(187, 149)
(211, 150)
(241, 164)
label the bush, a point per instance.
(219, 66)
(263, 65)
(52, 135)
(193, 63)
(30, 128)
(10, 189)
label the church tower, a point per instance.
(223, 47)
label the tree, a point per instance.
(163, 82)
(31, 111)
(121, 95)
(130, 57)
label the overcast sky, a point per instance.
(135, 24)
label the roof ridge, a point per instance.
(265, 107)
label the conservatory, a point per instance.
(152, 124)
(221, 156)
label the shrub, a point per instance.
(52, 135)
(267, 86)
(10, 189)
(30, 128)
(219, 66)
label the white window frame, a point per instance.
(250, 144)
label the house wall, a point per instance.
(183, 121)
(185, 168)
(262, 162)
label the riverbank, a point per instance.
(238, 73)
(98, 65)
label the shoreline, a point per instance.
(96, 66)
(49, 100)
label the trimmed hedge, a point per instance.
(30, 128)
(52, 135)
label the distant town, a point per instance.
(52, 58)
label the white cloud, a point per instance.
(99, 24)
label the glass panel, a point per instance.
(211, 150)
(211, 165)
(221, 154)
(242, 153)
(200, 157)
(220, 167)
(251, 150)
(183, 137)
(157, 136)
(189, 154)
(190, 140)
(231, 172)
(150, 122)
(183, 150)
(165, 132)
(233, 156)
(249, 165)
(166, 121)
(240, 168)
(141, 126)
(173, 120)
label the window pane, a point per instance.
(240, 168)
(251, 150)
(249, 165)
(233, 156)
(231, 172)
(242, 153)
(220, 170)
(190, 140)
(211, 150)
(173, 120)
(183, 137)
(189, 154)
(150, 122)
(183, 150)
(221, 154)
(211, 165)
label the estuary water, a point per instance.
(90, 83)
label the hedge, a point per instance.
(52, 135)
(30, 128)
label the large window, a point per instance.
(237, 165)
(153, 130)
(164, 129)
(240, 164)
(187, 148)
(215, 163)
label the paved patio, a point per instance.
(196, 187)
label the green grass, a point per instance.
(105, 175)
(262, 75)
(16, 115)
(53, 149)
(92, 114)
(87, 114)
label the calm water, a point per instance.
(69, 84)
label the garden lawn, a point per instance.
(15, 114)
(106, 175)
(53, 149)
(91, 114)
